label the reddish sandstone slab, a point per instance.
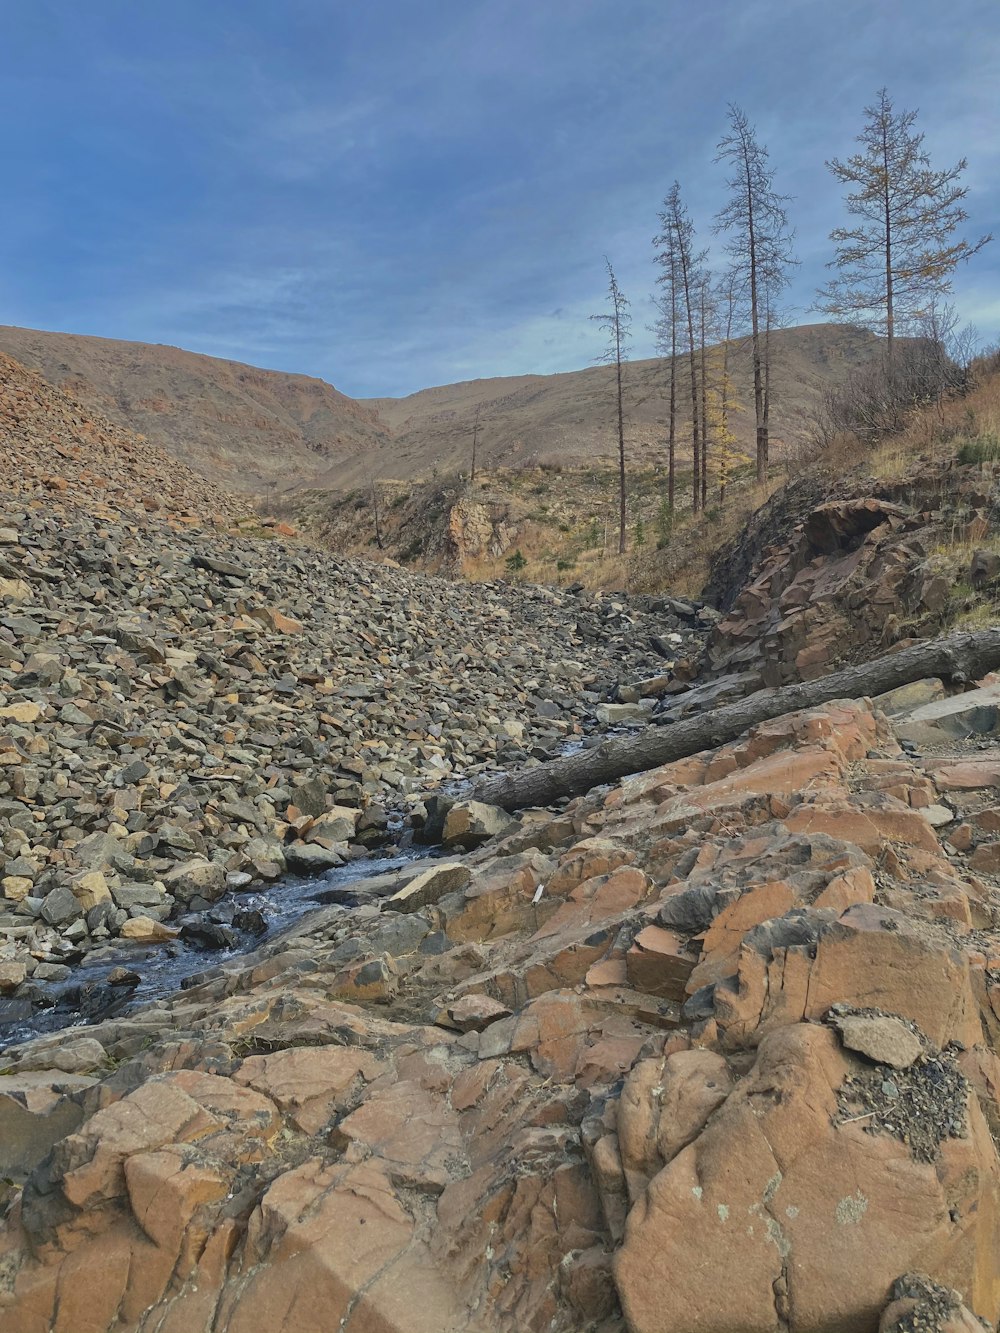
(867, 825)
(963, 774)
(818, 1215)
(309, 1083)
(659, 964)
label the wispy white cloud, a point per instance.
(398, 195)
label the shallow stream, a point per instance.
(163, 968)
(91, 993)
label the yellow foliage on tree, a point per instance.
(727, 453)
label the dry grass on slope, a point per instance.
(555, 525)
(964, 428)
(945, 460)
(541, 525)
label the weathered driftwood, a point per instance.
(958, 657)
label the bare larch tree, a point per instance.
(675, 254)
(705, 317)
(666, 344)
(727, 451)
(902, 253)
(759, 245)
(616, 322)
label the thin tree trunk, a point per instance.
(621, 444)
(475, 441)
(887, 212)
(695, 434)
(758, 384)
(724, 413)
(960, 657)
(375, 513)
(672, 434)
(704, 402)
(767, 375)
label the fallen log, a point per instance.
(957, 658)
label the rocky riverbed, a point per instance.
(124, 975)
(714, 1050)
(185, 712)
(742, 1005)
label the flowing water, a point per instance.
(88, 995)
(163, 968)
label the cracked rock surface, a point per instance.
(527, 1104)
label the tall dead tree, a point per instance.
(728, 454)
(759, 245)
(475, 441)
(616, 322)
(666, 344)
(769, 318)
(705, 318)
(901, 255)
(676, 239)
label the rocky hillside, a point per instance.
(252, 430)
(568, 420)
(56, 451)
(268, 432)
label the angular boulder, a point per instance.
(469, 824)
(816, 1218)
(196, 879)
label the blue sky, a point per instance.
(396, 193)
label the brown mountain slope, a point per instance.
(267, 432)
(58, 450)
(530, 419)
(248, 428)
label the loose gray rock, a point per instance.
(468, 824)
(885, 1039)
(304, 858)
(60, 906)
(196, 879)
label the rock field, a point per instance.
(712, 1050)
(170, 716)
(742, 1009)
(184, 709)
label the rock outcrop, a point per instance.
(848, 578)
(741, 1010)
(830, 591)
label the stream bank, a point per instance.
(118, 980)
